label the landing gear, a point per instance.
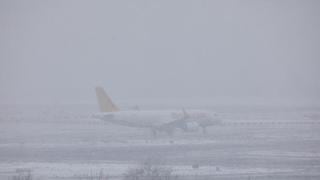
(170, 132)
(154, 133)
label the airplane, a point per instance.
(156, 120)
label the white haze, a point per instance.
(220, 52)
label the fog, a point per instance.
(231, 52)
(159, 89)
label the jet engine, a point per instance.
(192, 127)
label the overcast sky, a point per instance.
(58, 51)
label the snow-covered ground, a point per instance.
(266, 144)
(114, 169)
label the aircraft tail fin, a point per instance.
(105, 102)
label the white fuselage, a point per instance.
(154, 119)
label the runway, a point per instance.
(77, 148)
